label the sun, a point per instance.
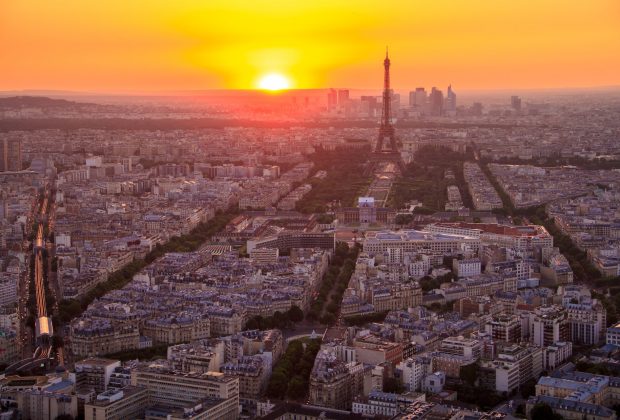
(274, 81)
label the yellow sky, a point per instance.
(155, 45)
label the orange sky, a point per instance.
(158, 45)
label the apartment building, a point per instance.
(179, 389)
(118, 404)
(415, 240)
(330, 382)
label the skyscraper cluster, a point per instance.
(337, 98)
(433, 103)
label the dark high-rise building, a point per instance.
(395, 106)
(417, 98)
(332, 99)
(515, 103)
(412, 99)
(10, 155)
(450, 103)
(370, 105)
(435, 100)
(343, 97)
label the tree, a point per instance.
(295, 350)
(403, 219)
(328, 319)
(312, 314)
(296, 314)
(332, 307)
(542, 411)
(446, 278)
(423, 210)
(528, 388)
(365, 319)
(279, 319)
(296, 387)
(325, 218)
(428, 283)
(278, 384)
(342, 249)
(304, 367)
(291, 373)
(312, 347)
(286, 364)
(252, 324)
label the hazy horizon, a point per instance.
(197, 91)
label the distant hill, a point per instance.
(39, 102)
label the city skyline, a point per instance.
(117, 47)
(259, 210)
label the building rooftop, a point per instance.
(414, 235)
(571, 405)
(309, 411)
(98, 361)
(113, 395)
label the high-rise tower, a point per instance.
(386, 131)
(10, 155)
(386, 149)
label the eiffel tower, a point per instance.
(386, 149)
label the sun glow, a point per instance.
(274, 81)
(159, 45)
